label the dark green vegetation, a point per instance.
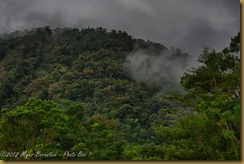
(65, 94)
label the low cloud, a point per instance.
(177, 23)
(163, 69)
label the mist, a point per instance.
(163, 70)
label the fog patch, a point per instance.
(163, 69)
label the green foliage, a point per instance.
(212, 132)
(66, 91)
(148, 151)
(32, 125)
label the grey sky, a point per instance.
(185, 24)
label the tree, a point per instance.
(213, 131)
(32, 126)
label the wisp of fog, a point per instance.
(162, 69)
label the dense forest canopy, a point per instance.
(93, 94)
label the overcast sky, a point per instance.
(185, 24)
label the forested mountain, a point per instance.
(93, 94)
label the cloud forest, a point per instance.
(98, 94)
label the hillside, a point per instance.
(108, 95)
(53, 64)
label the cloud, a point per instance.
(174, 23)
(163, 69)
(198, 36)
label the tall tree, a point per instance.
(213, 130)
